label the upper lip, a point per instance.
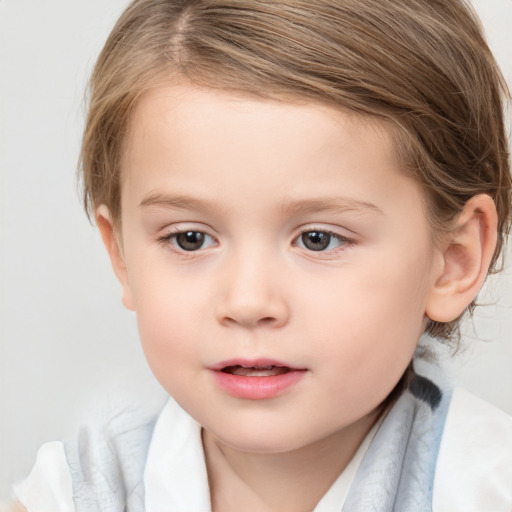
(252, 363)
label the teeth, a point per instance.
(262, 371)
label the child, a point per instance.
(291, 194)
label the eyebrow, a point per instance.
(304, 206)
(330, 205)
(183, 202)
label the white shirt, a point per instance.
(473, 472)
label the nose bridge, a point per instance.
(252, 291)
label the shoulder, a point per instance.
(474, 466)
(49, 485)
(13, 507)
(108, 454)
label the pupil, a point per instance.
(316, 240)
(190, 240)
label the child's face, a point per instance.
(271, 235)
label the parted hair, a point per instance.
(421, 66)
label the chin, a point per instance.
(256, 445)
(270, 438)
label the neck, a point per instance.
(293, 481)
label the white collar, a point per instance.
(175, 477)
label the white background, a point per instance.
(65, 340)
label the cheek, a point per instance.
(170, 350)
(168, 317)
(370, 297)
(371, 323)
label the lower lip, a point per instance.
(257, 388)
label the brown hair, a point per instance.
(421, 65)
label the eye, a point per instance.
(189, 240)
(317, 241)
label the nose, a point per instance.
(252, 295)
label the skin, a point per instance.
(254, 176)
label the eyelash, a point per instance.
(171, 240)
(343, 242)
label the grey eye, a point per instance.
(319, 241)
(190, 240)
(316, 240)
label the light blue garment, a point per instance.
(107, 464)
(396, 474)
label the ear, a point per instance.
(466, 256)
(115, 251)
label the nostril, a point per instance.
(251, 310)
(267, 320)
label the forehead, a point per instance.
(190, 139)
(184, 112)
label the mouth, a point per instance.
(256, 371)
(257, 379)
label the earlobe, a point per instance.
(114, 249)
(466, 256)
